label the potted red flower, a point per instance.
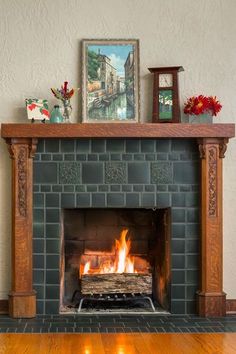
(201, 109)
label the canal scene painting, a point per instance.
(110, 81)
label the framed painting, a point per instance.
(110, 80)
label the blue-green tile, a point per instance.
(178, 292)
(192, 230)
(38, 261)
(178, 230)
(57, 188)
(83, 200)
(45, 172)
(138, 187)
(115, 188)
(183, 145)
(52, 246)
(163, 200)
(162, 157)
(148, 200)
(92, 157)
(173, 156)
(38, 245)
(53, 231)
(45, 188)
(139, 157)
(52, 215)
(192, 276)
(52, 277)
(178, 199)
(178, 277)
(46, 157)
(67, 145)
(92, 188)
(69, 173)
(178, 261)
(185, 172)
(52, 307)
(127, 157)
(163, 145)
(68, 200)
(52, 145)
(98, 200)
(147, 145)
(178, 246)
(38, 215)
(161, 172)
(178, 307)
(192, 261)
(192, 246)
(80, 188)
(103, 188)
(104, 157)
(52, 261)
(150, 157)
(116, 145)
(115, 157)
(132, 200)
(115, 199)
(81, 157)
(138, 172)
(126, 188)
(41, 145)
(38, 200)
(98, 145)
(192, 200)
(69, 157)
(68, 188)
(115, 173)
(38, 230)
(92, 173)
(83, 145)
(161, 188)
(149, 188)
(38, 276)
(57, 157)
(178, 215)
(193, 215)
(52, 292)
(52, 200)
(39, 291)
(132, 145)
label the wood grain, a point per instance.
(22, 297)
(137, 343)
(211, 298)
(117, 130)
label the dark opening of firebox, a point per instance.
(115, 260)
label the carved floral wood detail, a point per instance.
(212, 181)
(22, 180)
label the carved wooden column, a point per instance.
(211, 299)
(22, 298)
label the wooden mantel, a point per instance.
(117, 130)
(212, 140)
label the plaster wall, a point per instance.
(40, 48)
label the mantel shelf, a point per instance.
(117, 130)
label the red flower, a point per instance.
(196, 105)
(214, 105)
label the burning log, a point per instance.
(116, 283)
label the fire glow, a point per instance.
(122, 262)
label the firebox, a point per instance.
(115, 259)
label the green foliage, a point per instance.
(93, 65)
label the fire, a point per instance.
(121, 263)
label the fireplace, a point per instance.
(115, 260)
(120, 166)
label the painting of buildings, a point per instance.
(110, 82)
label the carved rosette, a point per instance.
(212, 181)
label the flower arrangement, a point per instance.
(201, 104)
(64, 94)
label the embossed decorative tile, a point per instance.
(69, 173)
(115, 173)
(161, 172)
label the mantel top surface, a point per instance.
(117, 130)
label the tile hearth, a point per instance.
(118, 324)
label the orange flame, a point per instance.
(123, 262)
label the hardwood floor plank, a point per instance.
(137, 343)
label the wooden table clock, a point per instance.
(166, 107)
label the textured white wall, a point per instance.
(40, 48)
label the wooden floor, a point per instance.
(141, 343)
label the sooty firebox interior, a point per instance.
(115, 260)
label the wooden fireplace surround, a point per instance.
(212, 141)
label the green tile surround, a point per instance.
(134, 173)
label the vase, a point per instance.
(203, 118)
(67, 110)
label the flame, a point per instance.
(123, 262)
